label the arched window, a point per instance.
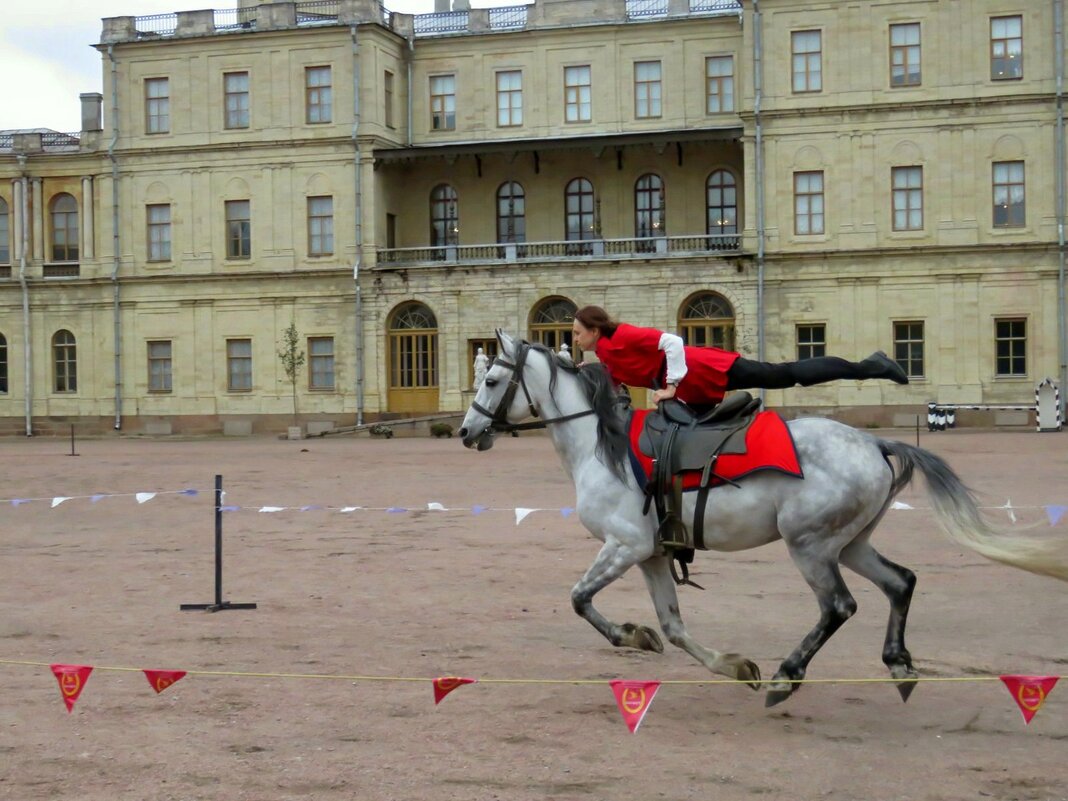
(64, 228)
(722, 203)
(551, 322)
(649, 206)
(5, 233)
(511, 213)
(3, 365)
(65, 359)
(413, 347)
(444, 216)
(707, 319)
(578, 202)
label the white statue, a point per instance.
(564, 352)
(481, 365)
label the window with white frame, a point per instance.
(719, 84)
(239, 365)
(509, 98)
(806, 49)
(320, 226)
(159, 231)
(578, 98)
(808, 203)
(648, 90)
(238, 229)
(321, 363)
(1006, 48)
(907, 188)
(905, 54)
(159, 365)
(1010, 210)
(64, 362)
(157, 105)
(443, 102)
(318, 95)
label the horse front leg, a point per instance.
(657, 573)
(613, 560)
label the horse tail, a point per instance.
(960, 518)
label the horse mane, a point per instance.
(613, 440)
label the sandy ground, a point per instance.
(419, 595)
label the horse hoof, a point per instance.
(649, 640)
(749, 672)
(778, 693)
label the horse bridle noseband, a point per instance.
(499, 416)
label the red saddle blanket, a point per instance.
(768, 445)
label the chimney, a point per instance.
(441, 6)
(92, 111)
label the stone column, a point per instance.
(16, 221)
(37, 205)
(88, 228)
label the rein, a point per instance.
(499, 416)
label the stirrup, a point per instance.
(683, 559)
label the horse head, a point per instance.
(498, 404)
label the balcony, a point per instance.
(576, 250)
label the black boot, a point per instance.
(879, 365)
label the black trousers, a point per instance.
(749, 374)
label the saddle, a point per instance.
(680, 439)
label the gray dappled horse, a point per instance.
(825, 519)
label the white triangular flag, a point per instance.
(350, 508)
(144, 497)
(1008, 508)
(520, 513)
(434, 506)
(272, 508)
(58, 500)
(900, 505)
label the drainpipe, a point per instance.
(358, 203)
(24, 240)
(758, 86)
(1062, 307)
(115, 234)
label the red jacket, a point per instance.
(633, 357)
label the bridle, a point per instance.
(499, 416)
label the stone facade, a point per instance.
(325, 131)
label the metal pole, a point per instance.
(218, 541)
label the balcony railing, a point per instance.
(526, 252)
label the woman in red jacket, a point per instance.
(699, 376)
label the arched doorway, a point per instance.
(412, 357)
(707, 319)
(551, 321)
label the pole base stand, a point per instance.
(222, 606)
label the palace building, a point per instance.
(783, 178)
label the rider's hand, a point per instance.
(664, 394)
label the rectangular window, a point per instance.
(391, 230)
(239, 365)
(159, 366)
(719, 84)
(318, 95)
(905, 54)
(808, 203)
(235, 87)
(157, 105)
(159, 232)
(811, 341)
(321, 365)
(1010, 342)
(577, 94)
(65, 353)
(3, 366)
(908, 198)
(509, 98)
(443, 103)
(806, 47)
(1006, 48)
(320, 226)
(238, 230)
(1009, 201)
(5, 233)
(647, 90)
(387, 91)
(908, 347)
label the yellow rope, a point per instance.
(354, 678)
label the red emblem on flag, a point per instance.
(162, 679)
(447, 684)
(71, 680)
(634, 698)
(1030, 692)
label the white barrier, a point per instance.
(1047, 405)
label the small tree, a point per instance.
(292, 358)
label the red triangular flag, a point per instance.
(1030, 692)
(162, 679)
(446, 684)
(634, 698)
(71, 680)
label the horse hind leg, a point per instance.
(836, 607)
(897, 583)
(613, 560)
(657, 573)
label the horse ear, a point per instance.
(504, 341)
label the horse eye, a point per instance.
(490, 382)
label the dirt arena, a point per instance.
(425, 594)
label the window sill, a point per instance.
(323, 390)
(160, 391)
(239, 391)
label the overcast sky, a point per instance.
(47, 58)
